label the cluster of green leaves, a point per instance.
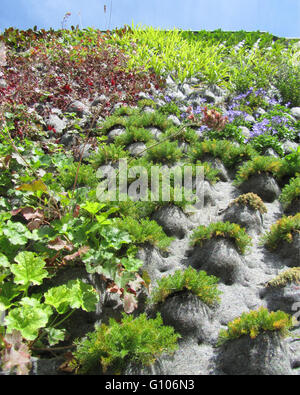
(283, 230)
(290, 192)
(264, 141)
(288, 276)
(113, 346)
(256, 322)
(222, 229)
(233, 38)
(144, 231)
(251, 200)
(38, 315)
(189, 280)
(231, 132)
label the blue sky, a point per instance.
(280, 17)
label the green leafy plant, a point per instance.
(139, 341)
(290, 192)
(189, 280)
(36, 316)
(256, 322)
(264, 141)
(286, 277)
(251, 200)
(283, 230)
(222, 229)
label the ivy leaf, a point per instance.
(30, 268)
(29, 318)
(16, 233)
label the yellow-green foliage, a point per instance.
(290, 192)
(256, 322)
(138, 340)
(259, 164)
(229, 153)
(252, 200)
(223, 229)
(165, 152)
(288, 276)
(283, 230)
(198, 283)
(144, 231)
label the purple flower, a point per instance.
(167, 99)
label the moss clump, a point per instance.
(223, 229)
(256, 322)
(198, 283)
(283, 230)
(113, 346)
(251, 200)
(288, 276)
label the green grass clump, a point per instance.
(114, 346)
(134, 135)
(229, 153)
(165, 152)
(223, 229)
(251, 200)
(144, 231)
(256, 322)
(198, 283)
(288, 276)
(259, 164)
(86, 176)
(107, 153)
(288, 83)
(290, 192)
(283, 230)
